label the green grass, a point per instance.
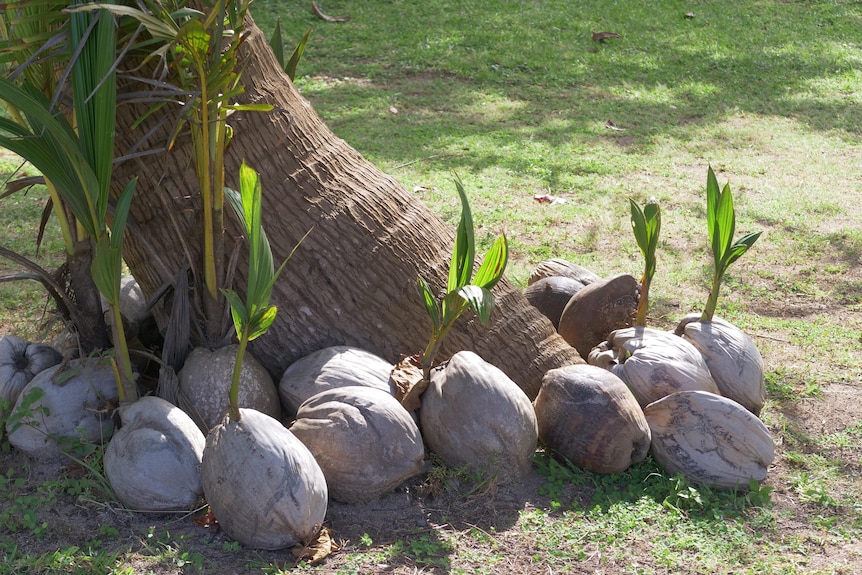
(515, 97)
(24, 302)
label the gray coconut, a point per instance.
(20, 361)
(329, 368)
(597, 310)
(711, 440)
(653, 363)
(473, 415)
(563, 268)
(134, 308)
(153, 462)
(551, 294)
(204, 382)
(588, 415)
(365, 442)
(732, 357)
(71, 404)
(262, 483)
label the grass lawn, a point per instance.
(520, 101)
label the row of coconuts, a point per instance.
(692, 396)
(333, 428)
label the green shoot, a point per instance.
(253, 316)
(78, 166)
(277, 44)
(646, 224)
(461, 292)
(203, 48)
(721, 219)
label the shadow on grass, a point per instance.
(572, 488)
(666, 77)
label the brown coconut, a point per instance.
(653, 363)
(732, 357)
(153, 461)
(588, 415)
(711, 440)
(563, 268)
(330, 368)
(551, 294)
(74, 404)
(473, 415)
(204, 383)
(365, 442)
(597, 310)
(262, 483)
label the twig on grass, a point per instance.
(434, 157)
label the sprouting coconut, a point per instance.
(653, 363)
(732, 357)
(411, 376)
(260, 481)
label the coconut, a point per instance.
(653, 363)
(329, 368)
(563, 268)
(365, 442)
(597, 310)
(20, 361)
(732, 357)
(153, 461)
(588, 415)
(262, 483)
(134, 308)
(474, 416)
(711, 440)
(551, 294)
(204, 383)
(62, 405)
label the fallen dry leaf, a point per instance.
(602, 36)
(318, 549)
(208, 519)
(319, 13)
(548, 199)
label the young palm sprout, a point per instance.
(732, 357)
(252, 317)
(461, 292)
(646, 224)
(721, 219)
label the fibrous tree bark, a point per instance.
(353, 280)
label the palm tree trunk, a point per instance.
(353, 280)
